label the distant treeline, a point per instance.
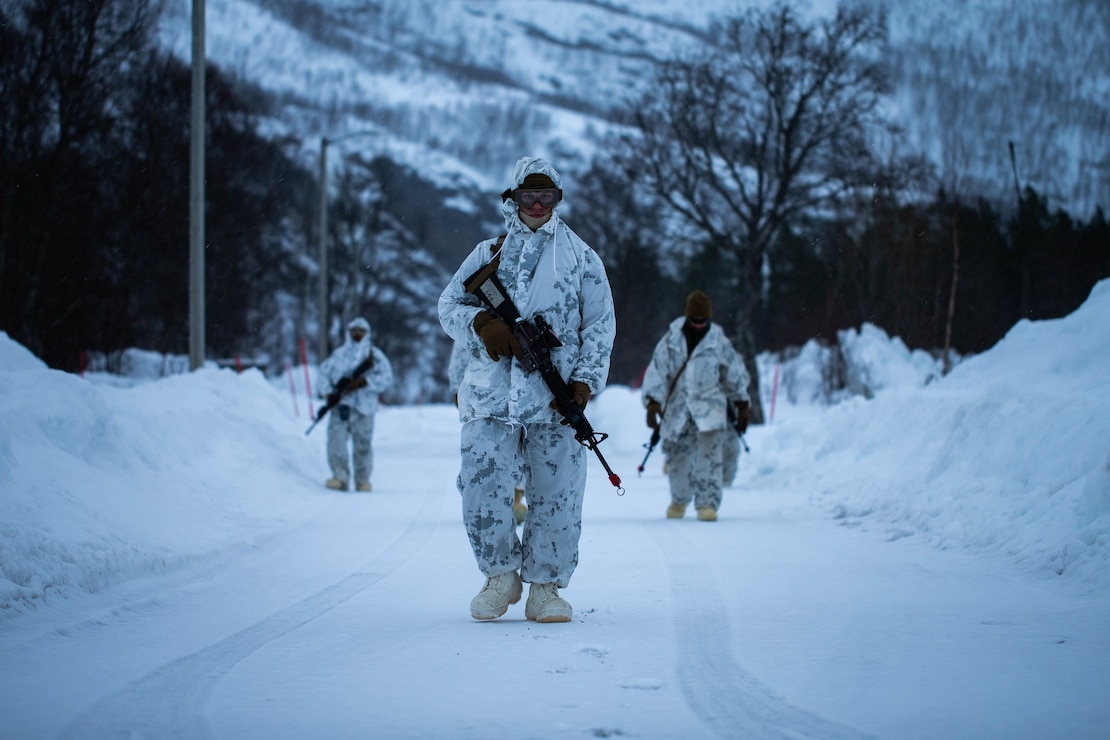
(94, 171)
(94, 208)
(763, 169)
(890, 265)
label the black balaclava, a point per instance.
(698, 307)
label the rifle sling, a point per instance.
(674, 382)
(490, 268)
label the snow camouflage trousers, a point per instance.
(695, 465)
(495, 456)
(358, 428)
(730, 456)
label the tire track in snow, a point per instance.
(169, 701)
(729, 700)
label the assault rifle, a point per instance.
(536, 340)
(341, 389)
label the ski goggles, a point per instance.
(546, 198)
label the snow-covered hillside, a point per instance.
(461, 89)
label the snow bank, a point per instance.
(100, 484)
(1008, 457)
(864, 362)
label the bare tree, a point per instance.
(388, 276)
(645, 296)
(771, 122)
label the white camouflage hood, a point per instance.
(529, 166)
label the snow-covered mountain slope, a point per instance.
(459, 89)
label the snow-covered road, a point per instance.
(932, 563)
(774, 622)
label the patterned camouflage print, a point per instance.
(456, 366)
(509, 427)
(358, 428)
(576, 301)
(730, 457)
(550, 272)
(361, 405)
(694, 427)
(714, 377)
(494, 456)
(695, 466)
(344, 360)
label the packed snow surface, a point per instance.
(929, 562)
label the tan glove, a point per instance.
(653, 412)
(743, 409)
(579, 392)
(497, 336)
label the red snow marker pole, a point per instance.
(639, 381)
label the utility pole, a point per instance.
(1026, 272)
(322, 293)
(196, 196)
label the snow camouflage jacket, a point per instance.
(460, 356)
(550, 272)
(344, 360)
(714, 377)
